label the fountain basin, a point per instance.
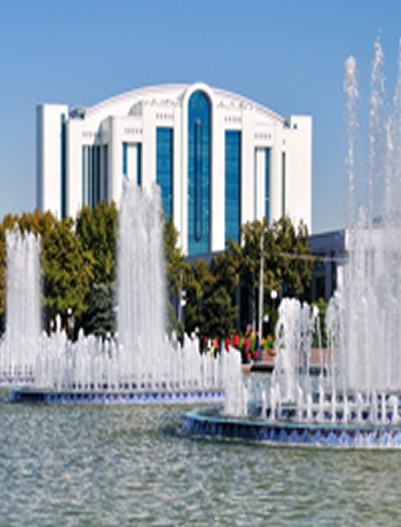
(210, 422)
(157, 396)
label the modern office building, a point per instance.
(220, 159)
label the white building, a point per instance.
(220, 159)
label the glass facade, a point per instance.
(96, 184)
(267, 184)
(86, 171)
(105, 192)
(164, 167)
(139, 164)
(125, 159)
(233, 185)
(199, 125)
(92, 188)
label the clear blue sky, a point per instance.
(286, 54)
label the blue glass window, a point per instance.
(198, 174)
(267, 184)
(233, 185)
(164, 167)
(125, 159)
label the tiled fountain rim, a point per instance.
(206, 422)
(46, 396)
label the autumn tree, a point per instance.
(96, 230)
(68, 272)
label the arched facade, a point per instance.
(220, 159)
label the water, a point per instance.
(139, 356)
(141, 284)
(113, 466)
(362, 367)
(369, 306)
(20, 343)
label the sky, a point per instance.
(287, 55)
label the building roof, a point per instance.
(171, 95)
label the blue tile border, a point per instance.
(204, 423)
(35, 395)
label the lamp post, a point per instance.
(260, 321)
(70, 323)
(273, 296)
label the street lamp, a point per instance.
(273, 296)
(70, 323)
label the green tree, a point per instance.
(198, 282)
(225, 269)
(218, 314)
(249, 257)
(175, 263)
(287, 261)
(68, 272)
(97, 231)
(99, 317)
(289, 255)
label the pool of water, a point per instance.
(110, 465)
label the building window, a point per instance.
(233, 185)
(96, 179)
(164, 167)
(132, 162)
(125, 159)
(198, 173)
(86, 170)
(91, 175)
(267, 184)
(105, 191)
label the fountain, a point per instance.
(20, 343)
(355, 401)
(139, 365)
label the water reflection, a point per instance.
(110, 466)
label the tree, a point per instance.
(97, 231)
(287, 262)
(289, 255)
(218, 314)
(249, 257)
(99, 318)
(174, 258)
(198, 283)
(225, 269)
(68, 272)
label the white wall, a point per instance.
(49, 156)
(260, 129)
(299, 169)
